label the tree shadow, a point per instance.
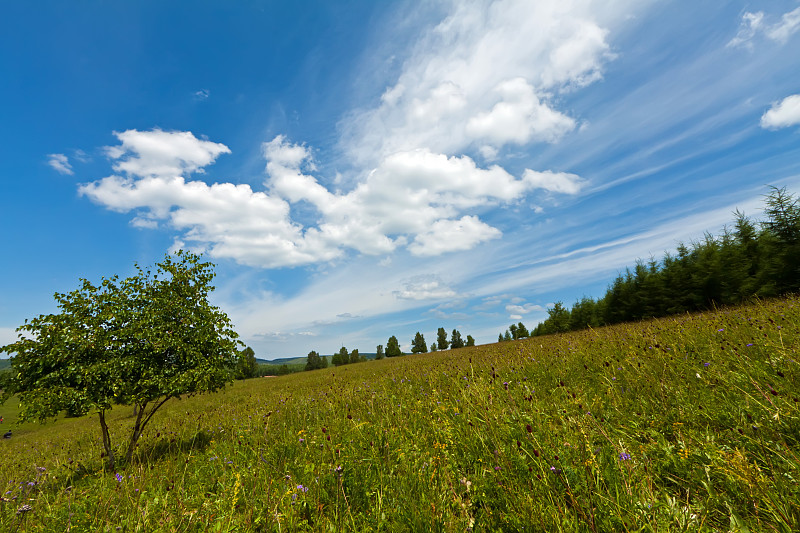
(149, 455)
(172, 447)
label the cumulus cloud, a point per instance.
(782, 114)
(518, 117)
(162, 153)
(452, 235)
(485, 76)
(60, 163)
(488, 75)
(753, 25)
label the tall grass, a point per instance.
(688, 423)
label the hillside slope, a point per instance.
(678, 424)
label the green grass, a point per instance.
(688, 423)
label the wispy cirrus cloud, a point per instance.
(60, 163)
(755, 24)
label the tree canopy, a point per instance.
(136, 341)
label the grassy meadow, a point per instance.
(688, 423)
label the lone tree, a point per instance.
(379, 351)
(418, 344)
(137, 341)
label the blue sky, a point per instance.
(363, 169)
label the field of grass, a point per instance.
(688, 423)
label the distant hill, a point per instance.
(302, 360)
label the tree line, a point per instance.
(749, 260)
(418, 345)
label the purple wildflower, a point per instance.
(624, 456)
(118, 476)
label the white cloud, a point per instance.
(517, 310)
(425, 288)
(228, 220)
(60, 163)
(518, 117)
(162, 153)
(452, 235)
(789, 24)
(782, 114)
(750, 25)
(753, 24)
(486, 76)
(554, 181)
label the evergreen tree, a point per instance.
(433, 346)
(455, 340)
(379, 352)
(393, 347)
(783, 227)
(315, 361)
(507, 336)
(441, 339)
(355, 357)
(558, 318)
(500, 337)
(470, 341)
(522, 331)
(418, 345)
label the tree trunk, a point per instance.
(141, 422)
(137, 430)
(107, 441)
